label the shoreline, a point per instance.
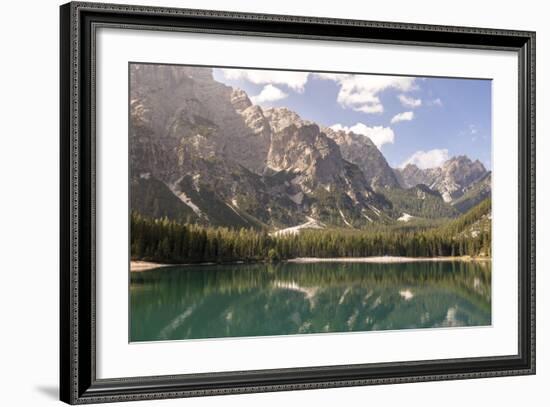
(384, 259)
(140, 265)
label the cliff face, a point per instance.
(451, 180)
(361, 151)
(185, 109)
(201, 151)
(233, 163)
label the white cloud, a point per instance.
(330, 76)
(269, 93)
(428, 159)
(473, 129)
(402, 117)
(408, 101)
(378, 134)
(361, 92)
(294, 80)
(435, 102)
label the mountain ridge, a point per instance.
(232, 163)
(451, 179)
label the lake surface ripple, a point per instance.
(194, 302)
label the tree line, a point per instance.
(168, 241)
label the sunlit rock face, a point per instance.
(360, 150)
(208, 143)
(451, 180)
(230, 162)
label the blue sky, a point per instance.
(412, 119)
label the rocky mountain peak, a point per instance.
(205, 150)
(411, 175)
(361, 151)
(299, 146)
(256, 121)
(462, 170)
(462, 162)
(240, 100)
(411, 168)
(281, 117)
(451, 179)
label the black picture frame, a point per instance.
(78, 382)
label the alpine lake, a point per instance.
(243, 300)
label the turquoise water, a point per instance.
(256, 300)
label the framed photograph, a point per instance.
(255, 203)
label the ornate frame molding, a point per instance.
(79, 20)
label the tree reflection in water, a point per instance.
(287, 298)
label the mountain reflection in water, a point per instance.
(261, 299)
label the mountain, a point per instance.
(202, 152)
(451, 180)
(474, 194)
(184, 109)
(232, 163)
(361, 151)
(419, 202)
(475, 222)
